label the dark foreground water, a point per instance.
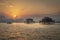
(36, 31)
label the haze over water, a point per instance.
(34, 31)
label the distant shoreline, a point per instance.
(24, 22)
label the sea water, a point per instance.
(34, 31)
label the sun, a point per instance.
(14, 16)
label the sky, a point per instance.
(30, 8)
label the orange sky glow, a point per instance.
(19, 8)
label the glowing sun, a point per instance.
(14, 16)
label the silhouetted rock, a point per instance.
(47, 20)
(29, 20)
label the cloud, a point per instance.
(2, 1)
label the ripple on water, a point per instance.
(22, 31)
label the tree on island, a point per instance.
(47, 20)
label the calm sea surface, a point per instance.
(35, 31)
